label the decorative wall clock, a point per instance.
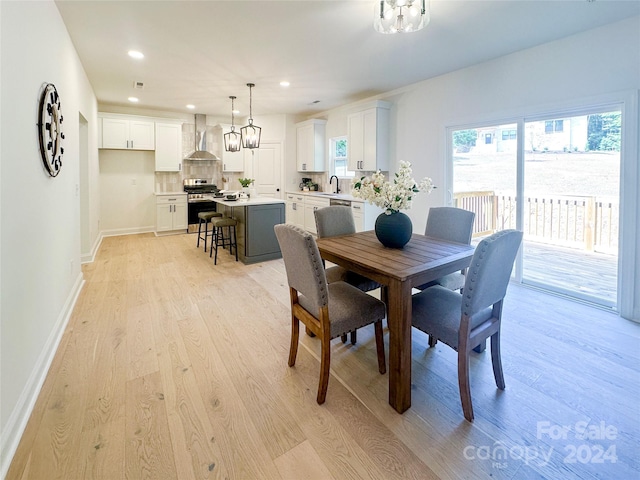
(50, 130)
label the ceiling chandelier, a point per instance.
(250, 133)
(400, 16)
(232, 139)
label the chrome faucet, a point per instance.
(337, 182)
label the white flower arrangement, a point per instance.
(392, 197)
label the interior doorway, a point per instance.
(556, 178)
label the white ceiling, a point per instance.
(200, 52)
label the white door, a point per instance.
(266, 167)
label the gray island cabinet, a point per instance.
(256, 218)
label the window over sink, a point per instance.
(338, 158)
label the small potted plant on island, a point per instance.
(245, 182)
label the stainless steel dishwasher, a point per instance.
(339, 201)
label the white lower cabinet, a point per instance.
(300, 210)
(364, 215)
(357, 209)
(294, 209)
(311, 204)
(171, 212)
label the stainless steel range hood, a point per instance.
(200, 152)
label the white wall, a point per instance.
(127, 183)
(40, 271)
(577, 70)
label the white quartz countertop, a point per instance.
(341, 196)
(246, 202)
(181, 192)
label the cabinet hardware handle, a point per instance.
(357, 208)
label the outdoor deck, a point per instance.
(555, 267)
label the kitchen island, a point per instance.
(256, 218)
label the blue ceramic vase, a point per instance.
(393, 231)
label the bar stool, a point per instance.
(206, 218)
(219, 224)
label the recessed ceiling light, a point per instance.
(190, 107)
(135, 54)
(284, 83)
(133, 99)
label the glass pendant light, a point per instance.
(400, 16)
(232, 140)
(250, 133)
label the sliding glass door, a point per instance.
(556, 178)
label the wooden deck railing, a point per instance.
(588, 223)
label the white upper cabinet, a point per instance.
(125, 132)
(310, 146)
(368, 138)
(231, 161)
(168, 146)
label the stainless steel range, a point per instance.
(198, 189)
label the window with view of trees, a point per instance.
(339, 157)
(603, 131)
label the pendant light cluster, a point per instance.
(249, 136)
(400, 16)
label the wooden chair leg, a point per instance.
(384, 298)
(382, 367)
(481, 347)
(343, 338)
(325, 361)
(354, 338)
(496, 360)
(295, 334)
(432, 341)
(463, 385)
(311, 334)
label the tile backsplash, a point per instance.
(208, 169)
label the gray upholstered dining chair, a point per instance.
(465, 320)
(455, 225)
(328, 310)
(331, 222)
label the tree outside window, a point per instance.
(338, 157)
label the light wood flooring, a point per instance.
(173, 368)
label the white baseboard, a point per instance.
(127, 231)
(17, 422)
(91, 256)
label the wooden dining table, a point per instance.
(398, 269)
